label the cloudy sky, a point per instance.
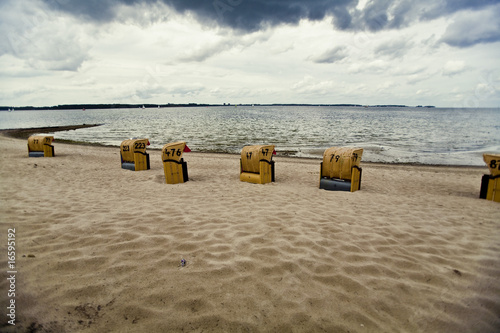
(428, 52)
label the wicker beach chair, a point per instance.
(174, 166)
(133, 154)
(40, 146)
(340, 170)
(490, 184)
(256, 164)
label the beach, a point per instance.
(99, 248)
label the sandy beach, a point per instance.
(99, 248)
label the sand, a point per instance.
(98, 248)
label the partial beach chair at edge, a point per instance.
(340, 169)
(490, 184)
(256, 164)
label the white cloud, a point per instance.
(330, 56)
(43, 39)
(453, 67)
(376, 66)
(394, 48)
(221, 43)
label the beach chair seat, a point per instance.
(490, 184)
(340, 170)
(133, 154)
(40, 146)
(256, 164)
(174, 166)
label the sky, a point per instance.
(428, 52)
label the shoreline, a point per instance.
(24, 133)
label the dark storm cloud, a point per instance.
(474, 28)
(94, 9)
(251, 15)
(452, 6)
(245, 15)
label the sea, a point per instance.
(416, 135)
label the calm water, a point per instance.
(392, 135)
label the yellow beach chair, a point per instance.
(340, 170)
(256, 164)
(40, 146)
(174, 166)
(490, 184)
(133, 154)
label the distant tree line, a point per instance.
(97, 106)
(169, 105)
